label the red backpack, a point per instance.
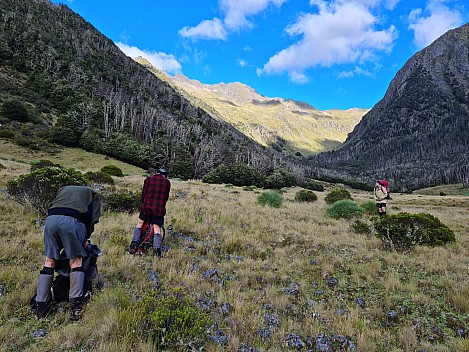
(385, 184)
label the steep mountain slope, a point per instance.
(57, 69)
(418, 134)
(286, 125)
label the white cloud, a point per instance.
(242, 63)
(341, 32)
(160, 60)
(237, 11)
(357, 71)
(208, 29)
(434, 21)
(298, 77)
(236, 14)
(391, 4)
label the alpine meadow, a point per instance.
(273, 240)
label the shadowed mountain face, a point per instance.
(65, 73)
(418, 134)
(286, 125)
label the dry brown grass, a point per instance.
(257, 252)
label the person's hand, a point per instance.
(85, 244)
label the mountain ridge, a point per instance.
(286, 125)
(417, 135)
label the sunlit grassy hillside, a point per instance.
(300, 126)
(266, 277)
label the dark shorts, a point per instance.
(156, 220)
(381, 205)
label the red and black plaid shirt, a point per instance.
(155, 194)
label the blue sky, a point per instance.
(331, 54)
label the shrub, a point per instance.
(369, 207)
(279, 179)
(121, 201)
(361, 227)
(99, 177)
(404, 231)
(15, 110)
(344, 208)
(112, 170)
(173, 322)
(236, 174)
(270, 198)
(337, 194)
(39, 188)
(42, 164)
(314, 186)
(306, 196)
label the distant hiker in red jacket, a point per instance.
(155, 194)
(381, 195)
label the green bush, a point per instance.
(42, 164)
(361, 227)
(314, 186)
(236, 174)
(99, 177)
(270, 198)
(305, 195)
(404, 231)
(15, 110)
(344, 208)
(173, 322)
(369, 207)
(39, 188)
(337, 194)
(279, 179)
(121, 201)
(112, 170)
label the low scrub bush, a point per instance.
(369, 207)
(305, 195)
(39, 188)
(344, 208)
(121, 201)
(112, 170)
(337, 194)
(280, 179)
(314, 186)
(99, 177)
(174, 322)
(404, 231)
(270, 198)
(236, 174)
(42, 164)
(361, 227)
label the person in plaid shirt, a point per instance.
(155, 194)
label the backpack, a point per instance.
(385, 184)
(146, 238)
(61, 282)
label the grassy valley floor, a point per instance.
(267, 278)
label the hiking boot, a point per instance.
(41, 309)
(157, 252)
(76, 307)
(76, 314)
(133, 247)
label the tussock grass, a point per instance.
(226, 248)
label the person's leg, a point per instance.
(46, 275)
(77, 280)
(158, 222)
(73, 237)
(383, 209)
(136, 236)
(44, 285)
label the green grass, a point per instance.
(225, 248)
